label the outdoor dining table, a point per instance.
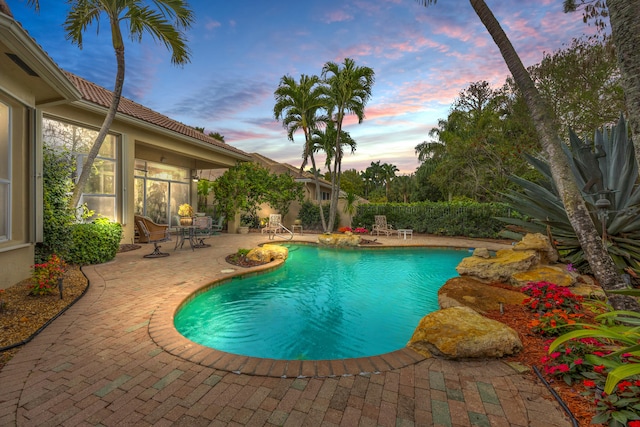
(186, 232)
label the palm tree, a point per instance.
(388, 174)
(348, 88)
(298, 106)
(324, 140)
(166, 23)
(601, 263)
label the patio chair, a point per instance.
(217, 228)
(203, 229)
(381, 226)
(274, 225)
(150, 232)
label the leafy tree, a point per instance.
(601, 263)
(348, 89)
(351, 182)
(298, 105)
(282, 190)
(582, 85)
(242, 188)
(624, 18)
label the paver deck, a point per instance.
(115, 359)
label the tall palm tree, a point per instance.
(601, 263)
(298, 105)
(348, 88)
(388, 174)
(166, 22)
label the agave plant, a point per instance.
(607, 173)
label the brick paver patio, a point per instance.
(114, 359)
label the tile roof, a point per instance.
(98, 95)
(277, 167)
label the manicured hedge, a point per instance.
(467, 219)
(94, 243)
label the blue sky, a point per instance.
(422, 57)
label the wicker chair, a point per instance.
(381, 226)
(150, 232)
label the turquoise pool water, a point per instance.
(322, 304)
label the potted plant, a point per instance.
(245, 223)
(185, 211)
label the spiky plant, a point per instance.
(607, 173)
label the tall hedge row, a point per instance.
(467, 219)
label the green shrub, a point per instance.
(95, 242)
(310, 215)
(58, 167)
(461, 218)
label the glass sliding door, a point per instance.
(159, 190)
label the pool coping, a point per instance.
(163, 332)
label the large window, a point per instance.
(159, 190)
(99, 193)
(5, 171)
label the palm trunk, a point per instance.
(104, 130)
(333, 207)
(4, 8)
(625, 31)
(307, 138)
(597, 256)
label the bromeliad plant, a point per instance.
(607, 173)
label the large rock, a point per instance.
(546, 273)
(339, 239)
(539, 243)
(461, 333)
(498, 268)
(268, 253)
(468, 292)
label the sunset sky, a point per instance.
(422, 57)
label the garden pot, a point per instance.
(186, 220)
(243, 229)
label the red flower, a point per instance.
(599, 368)
(588, 383)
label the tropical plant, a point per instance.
(165, 23)
(348, 89)
(606, 171)
(282, 191)
(298, 105)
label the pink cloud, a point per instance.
(337, 16)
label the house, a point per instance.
(145, 166)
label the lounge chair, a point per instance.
(274, 225)
(381, 226)
(150, 232)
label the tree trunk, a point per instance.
(307, 138)
(625, 30)
(597, 256)
(104, 130)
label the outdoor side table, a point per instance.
(295, 227)
(404, 232)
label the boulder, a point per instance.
(539, 243)
(472, 293)
(499, 268)
(482, 253)
(268, 253)
(339, 239)
(546, 273)
(462, 333)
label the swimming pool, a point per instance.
(324, 303)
